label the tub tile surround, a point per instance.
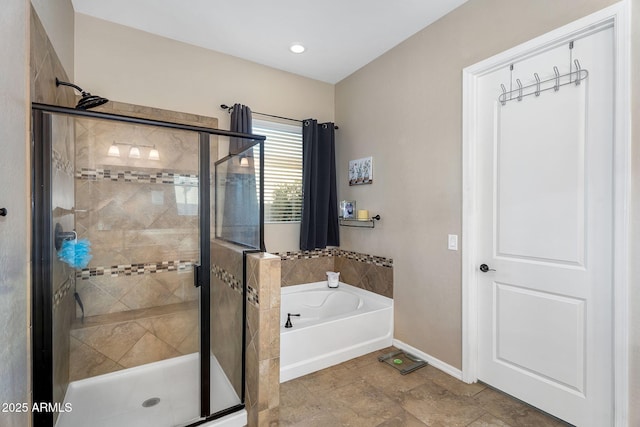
(263, 325)
(369, 272)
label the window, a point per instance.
(282, 170)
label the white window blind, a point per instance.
(282, 170)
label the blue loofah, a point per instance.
(76, 253)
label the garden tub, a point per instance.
(335, 325)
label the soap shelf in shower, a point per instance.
(361, 223)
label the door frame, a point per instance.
(618, 16)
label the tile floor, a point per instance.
(365, 392)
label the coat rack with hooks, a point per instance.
(574, 77)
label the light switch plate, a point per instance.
(452, 242)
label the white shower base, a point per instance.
(115, 399)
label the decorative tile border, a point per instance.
(135, 269)
(138, 176)
(252, 296)
(227, 278)
(235, 284)
(62, 292)
(162, 266)
(369, 259)
(318, 253)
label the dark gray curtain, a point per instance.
(240, 122)
(241, 215)
(319, 225)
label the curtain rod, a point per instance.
(226, 107)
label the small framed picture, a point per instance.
(361, 171)
(347, 209)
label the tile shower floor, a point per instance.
(115, 399)
(364, 392)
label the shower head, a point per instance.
(90, 101)
(87, 101)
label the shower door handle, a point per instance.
(196, 275)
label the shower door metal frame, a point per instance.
(42, 255)
(41, 296)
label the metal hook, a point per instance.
(60, 236)
(519, 89)
(578, 69)
(537, 77)
(556, 86)
(503, 97)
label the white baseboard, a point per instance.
(436, 363)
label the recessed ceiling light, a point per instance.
(296, 48)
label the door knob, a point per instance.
(484, 268)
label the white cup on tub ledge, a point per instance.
(333, 279)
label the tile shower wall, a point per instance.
(262, 372)
(104, 294)
(141, 217)
(226, 310)
(129, 217)
(111, 342)
(45, 66)
(368, 272)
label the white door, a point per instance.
(545, 227)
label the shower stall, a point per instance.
(137, 336)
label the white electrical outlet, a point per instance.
(453, 242)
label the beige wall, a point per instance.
(14, 228)
(405, 110)
(57, 20)
(129, 65)
(132, 66)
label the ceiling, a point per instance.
(340, 36)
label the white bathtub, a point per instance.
(335, 325)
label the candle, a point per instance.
(363, 214)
